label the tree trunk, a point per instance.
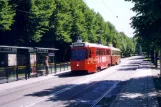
(156, 60)
(152, 55)
(148, 54)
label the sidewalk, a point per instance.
(140, 92)
(10, 85)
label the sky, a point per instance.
(119, 8)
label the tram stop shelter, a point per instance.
(24, 62)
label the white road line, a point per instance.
(99, 99)
(108, 91)
(63, 90)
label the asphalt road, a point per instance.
(73, 90)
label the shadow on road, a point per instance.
(84, 95)
(137, 58)
(70, 74)
(130, 67)
(132, 91)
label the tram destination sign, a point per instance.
(78, 44)
(7, 49)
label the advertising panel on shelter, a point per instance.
(12, 60)
(33, 62)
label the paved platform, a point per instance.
(14, 84)
(140, 92)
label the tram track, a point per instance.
(40, 83)
(98, 99)
(26, 86)
(55, 93)
(108, 91)
(81, 92)
(103, 95)
(94, 83)
(67, 89)
(118, 95)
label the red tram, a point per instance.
(92, 57)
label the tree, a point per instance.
(40, 13)
(56, 23)
(147, 22)
(6, 15)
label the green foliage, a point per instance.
(58, 23)
(147, 23)
(6, 15)
(127, 46)
(40, 13)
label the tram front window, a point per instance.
(78, 54)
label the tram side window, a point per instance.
(100, 52)
(97, 52)
(104, 52)
(89, 53)
(107, 52)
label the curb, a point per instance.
(21, 83)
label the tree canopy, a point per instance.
(6, 15)
(147, 22)
(57, 23)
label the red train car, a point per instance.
(91, 57)
(115, 56)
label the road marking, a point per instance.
(68, 88)
(65, 89)
(107, 92)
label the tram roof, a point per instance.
(115, 49)
(86, 44)
(95, 45)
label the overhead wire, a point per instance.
(23, 11)
(109, 9)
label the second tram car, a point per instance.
(92, 57)
(115, 56)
